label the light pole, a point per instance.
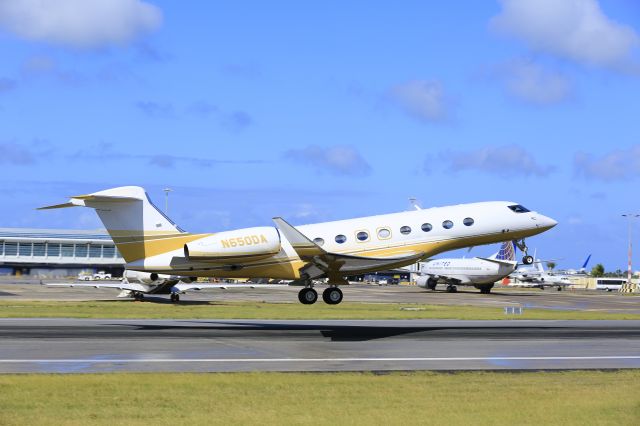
(630, 217)
(166, 200)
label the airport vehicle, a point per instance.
(610, 284)
(101, 275)
(150, 242)
(540, 278)
(480, 272)
(85, 276)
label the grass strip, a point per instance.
(478, 398)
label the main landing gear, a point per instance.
(308, 296)
(330, 296)
(175, 297)
(522, 245)
(138, 296)
(452, 288)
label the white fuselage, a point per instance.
(474, 271)
(542, 279)
(424, 232)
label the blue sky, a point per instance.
(325, 110)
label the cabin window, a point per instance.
(468, 221)
(426, 227)
(340, 239)
(384, 233)
(319, 241)
(405, 230)
(519, 209)
(447, 224)
(362, 236)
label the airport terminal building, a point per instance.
(57, 252)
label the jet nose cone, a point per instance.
(547, 222)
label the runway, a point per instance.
(81, 346)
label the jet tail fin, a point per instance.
(132, 220)
(507, 251)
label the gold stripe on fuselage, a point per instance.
(137, 246)
(288, 267)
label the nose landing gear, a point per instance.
(522, 245)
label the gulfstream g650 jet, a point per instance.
(150, 242)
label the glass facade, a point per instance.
(53, 249)
(10, 248)
(95, 250)
(81, 250)
(109, 251)
(67, 250)
(24, 249)
(38, 249)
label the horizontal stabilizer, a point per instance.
(81, 200)
(60, 206)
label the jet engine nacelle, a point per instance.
(243, 245)
(425, 281)
(144, 277)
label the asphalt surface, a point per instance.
(568, 300)
(82, 345)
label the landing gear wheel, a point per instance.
(332, 295)
(308, 296)
(486, 289)
(527, 260)
(432, 283)
(559, 288)
(452, 289)
(138, 296)
(175, 297)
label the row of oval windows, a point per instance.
(384, 233)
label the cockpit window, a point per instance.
(519, 209)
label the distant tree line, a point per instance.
(598, 271)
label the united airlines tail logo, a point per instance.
(507, 251)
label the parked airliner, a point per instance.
(150, 242)
(481, 272)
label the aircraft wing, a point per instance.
(335, 266)
(117, 285)
(458, 279)
(182, 287)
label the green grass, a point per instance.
(478, 398)
(263, 310)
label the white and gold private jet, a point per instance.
(150, 242)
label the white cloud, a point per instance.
(339, 160)
(505, 161)
(532, 83)
(619, 164)
(573, 29)
(422, 99)
(79, 23)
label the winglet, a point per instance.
(304, 247)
